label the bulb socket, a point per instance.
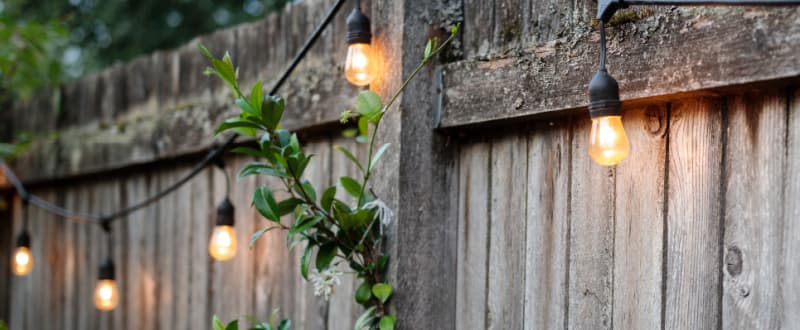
(359, 30)
(225, 213)
(24, 240)
(107, 270)
(604, 95)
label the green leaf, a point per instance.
(383, 262)
(350, 185)
(260, 233)
(363, 126)
(305, 260)
(256, 98)
(428, 48)
(218, 325)
(245, 105)
(325, 255)
(387, 322)
(259, 168)
(272, 111)
(206, 53)
(363, 294)
(305, 224)
(265, 203)
(365, 320)
(287, 206)
(308, 189)
(248, 151)
(368, 103)
(237, 122)
(327, 198)
(378, 155)
(382, 291)
(234, 325)
(285, 325)
(350, 156)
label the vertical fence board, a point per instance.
(343, 311)
(591, 260)
(639, 228)
(473, 235)
(182, 222)
(548, 226)
(693, 215)
(754, 221)
(790, 294)
(508, 23)
(140, 277)
(478, 28)
(16, 305)
(167, 216)
(507, 234)
(68, 246)
(202, 213)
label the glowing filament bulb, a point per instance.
(358, 67)
(608, 144)
(223, 243)
(23, 261)
(106, 295)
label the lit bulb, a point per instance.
(223, 243)
(359, 66)
(23, 261)
(106, 295)
(608, 144)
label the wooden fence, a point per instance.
(503, 221)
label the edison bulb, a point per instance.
(23, 261)
(106, 295)
(359, 66)
(608, 144)
(223, 243)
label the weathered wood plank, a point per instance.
(639, 228)
(182, 223)
(165, 221)
(16, 304)
(790, 293)
(591, 245)
(478, 28)
(505, 301)
(754, 222)
(473, 235)
(508, 24)
(201, 221)
(549, 148)
(692, 276)
(142, 254)
(553, 77)
(343, 311)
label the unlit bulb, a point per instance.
(106, 295)
(23, 261)
(359, 66)
(223, 243)
(608, 144)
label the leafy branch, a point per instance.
(330, 227)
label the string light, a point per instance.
(360, 64)
(106, 294)
(608, 143)
(22, 262)
(222, 245)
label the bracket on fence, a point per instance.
(607, 8)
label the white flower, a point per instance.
(384, 213)
(324, 281)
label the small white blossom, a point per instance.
(325, 281)
(384, 213)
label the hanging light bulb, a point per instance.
(608, 143)
(22, 263)
(106, 294)
(360, 64)
(223, 239)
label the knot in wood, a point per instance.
(733, 261)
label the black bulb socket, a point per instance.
(225, 213)
(107, 270)
(24, 240)
(604, 95)
(359, 30)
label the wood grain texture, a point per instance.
(142, 267)
(591, 259)
(693, 215)
(553, 77)
(790, 292)
(547, 238)
(505, 301)
(754, 219)
(639, 229)
(478, 28)
(473, 234)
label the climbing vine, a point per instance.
(334, 231)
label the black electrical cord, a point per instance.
(214, 156)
